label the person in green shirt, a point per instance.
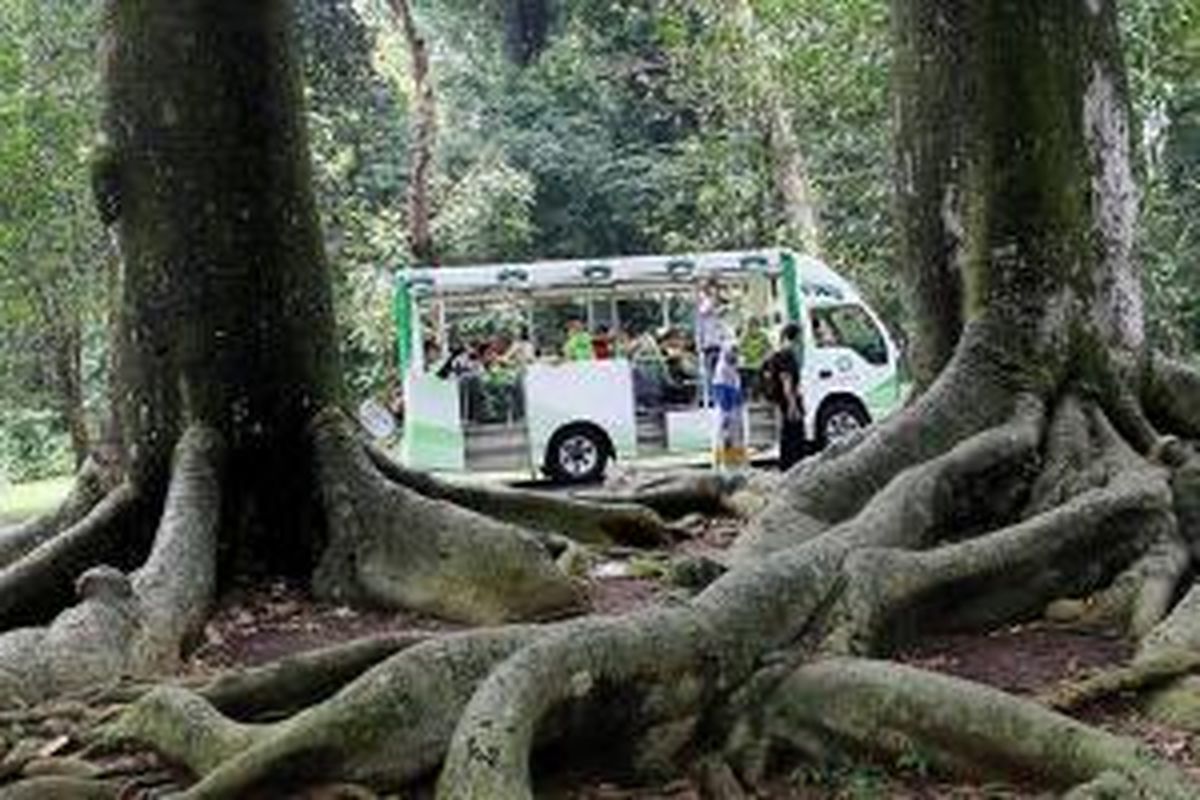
(753, 349)
(578, 346)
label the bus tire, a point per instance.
(840, 417)
(577, 453)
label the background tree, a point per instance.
(53, 252)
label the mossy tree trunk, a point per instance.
(238, 458)
(226, 293)
(928, 117)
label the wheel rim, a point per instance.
(578, 456)
(841, 424)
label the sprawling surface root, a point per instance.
(673, 495)
(891, 710)
(394, 547)
(92, 485)
(924, 510)
(1171, 394)
(385, 729)
(957, 494)
(1008, 574)
(298, 681)
(972, 394)
(41, 582)
(631, 523)
(673, 659)
(130, 624)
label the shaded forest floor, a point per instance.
(257, 624)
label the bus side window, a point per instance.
(849, 326)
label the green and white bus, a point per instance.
(499, 376)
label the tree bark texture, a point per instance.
(929, 110)
(424, 137)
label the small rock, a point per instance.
(1065, 610)
(694, 572)
(611, 569)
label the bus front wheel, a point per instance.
(577, 454)
(838, 418)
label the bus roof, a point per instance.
(817, 280)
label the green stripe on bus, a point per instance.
(791, 286)
(402, 317)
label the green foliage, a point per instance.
(32, 446)
(1162, 39)
(52, 247)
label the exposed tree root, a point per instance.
(1171, 393)
(958, 494)
(673, 495)
(957, 528)
(891, 710)
(296, 682)
(1004, 575)
(1143, 673)
(92, 485)
(130, 625)
(385, 729)
(393, 547)
(672, 659)
(393, 723)
(974, 393)
(631, 523)
(1143, 594)
(39, 583)
(1169, 651)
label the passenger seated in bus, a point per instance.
(824, 333)
(678, 374)
(459, 361)
(578, 346)
(520, 352)
(602, 343)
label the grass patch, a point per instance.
(23, 500)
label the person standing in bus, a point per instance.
(753, 349)
(729, 436)
(781, 377)
(709, 332)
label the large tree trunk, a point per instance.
(928, 117)
(230, 376)
(228, 316)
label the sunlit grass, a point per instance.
(24, 500)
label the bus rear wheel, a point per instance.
(577, 454)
